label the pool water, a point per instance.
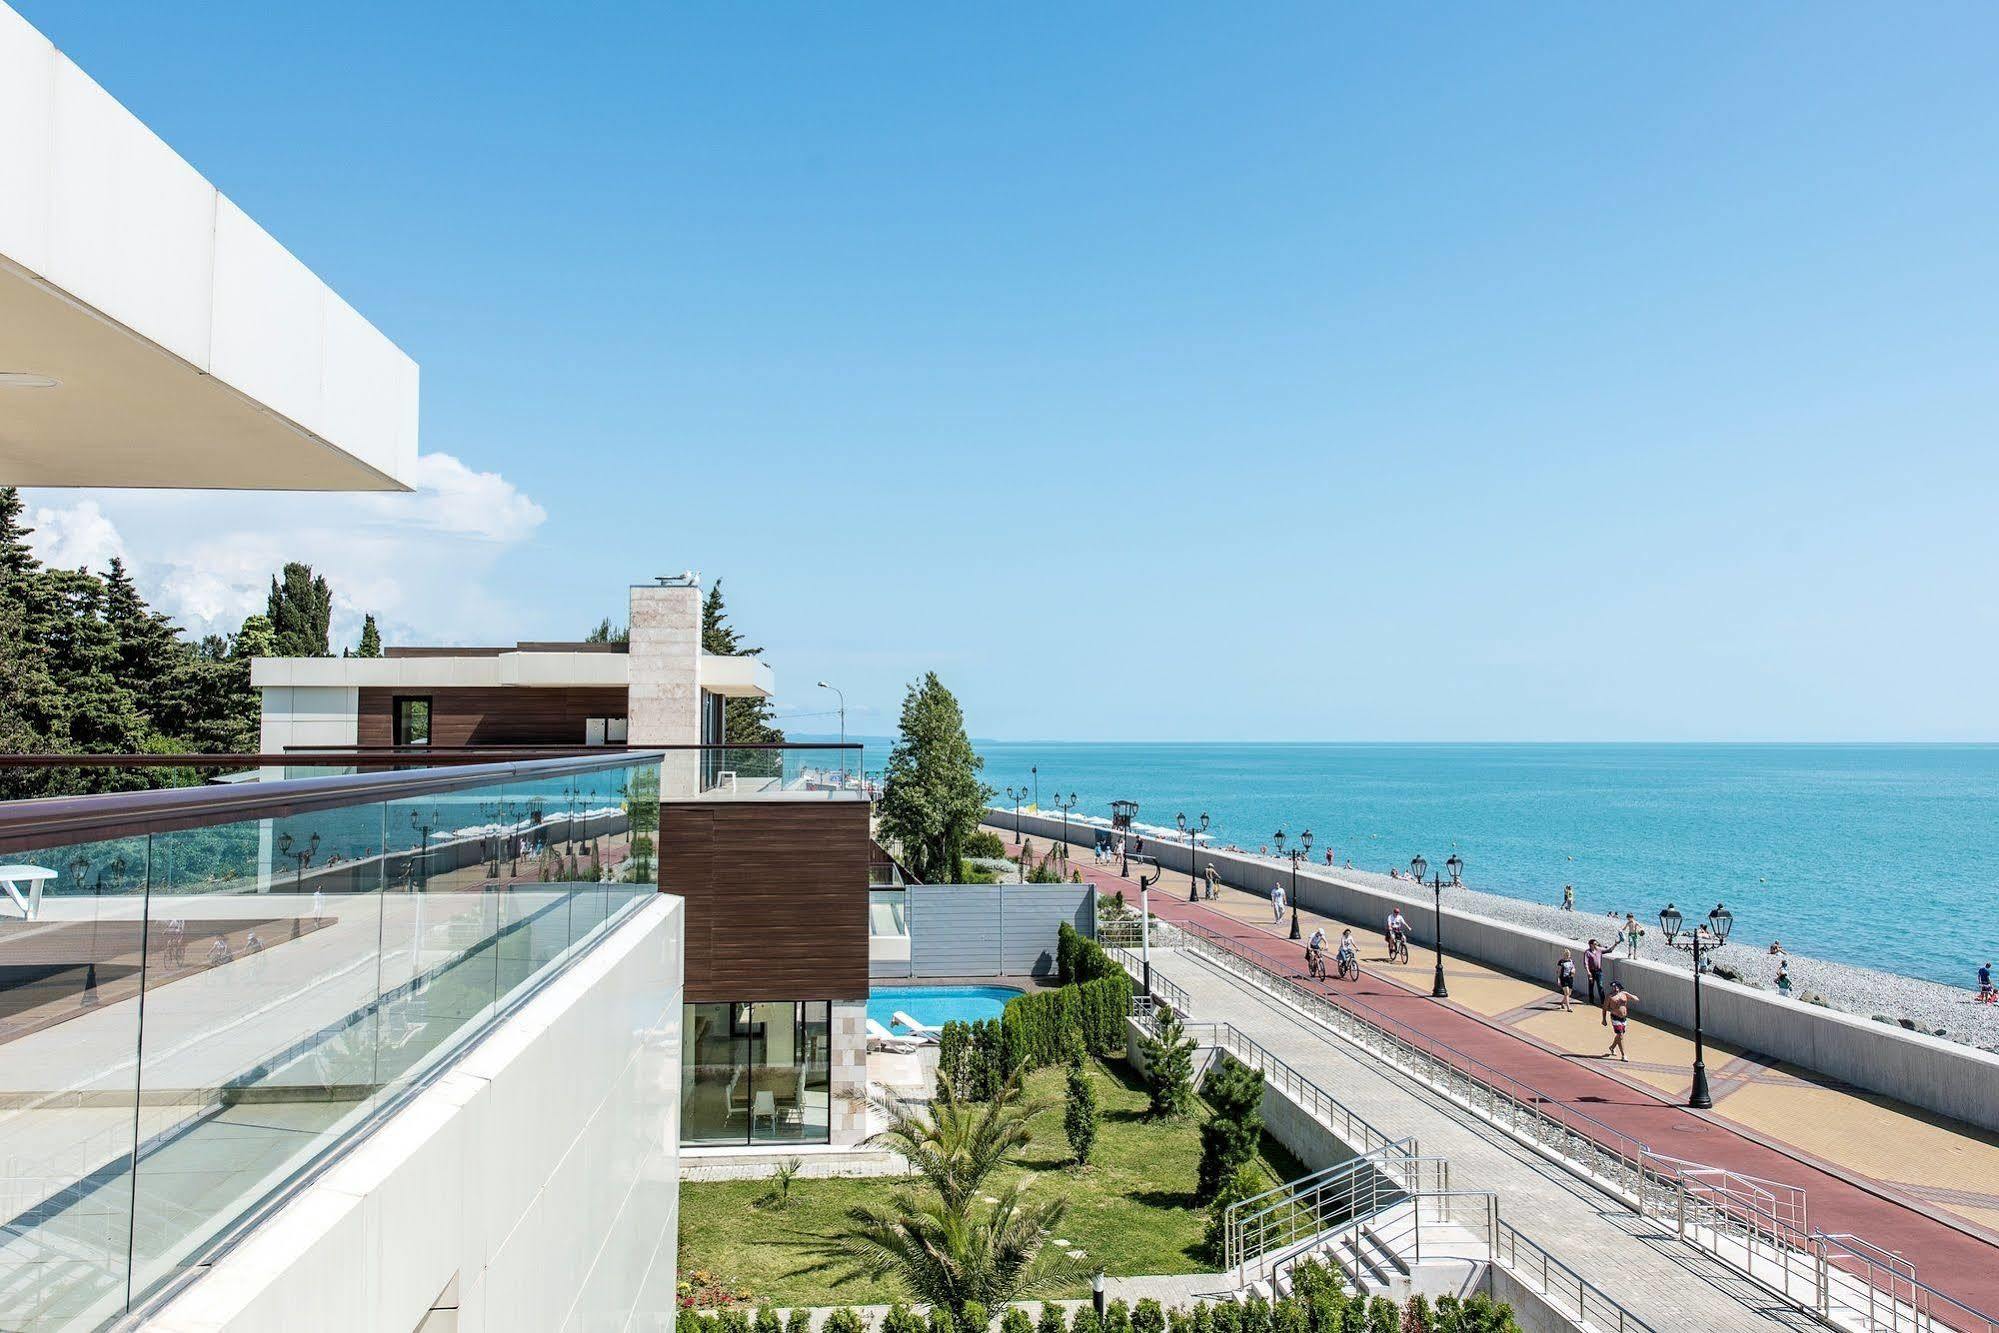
(934, 1006)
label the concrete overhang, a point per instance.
(530, 670)
(185, 346)
(737, 677)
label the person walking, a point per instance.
(1593, 965)
(1277, 902)
(1211, 881)
(1986, 995)
(1565, 980)
(1568, 897)
(1617, 1009)
(1631, 934)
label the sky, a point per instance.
(1165, 371)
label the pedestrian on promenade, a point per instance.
(1565, 979)
(1211, 881)
(1277, 902)
(1631, 934)
(1617, 1006)
(1593, 964)
(1568, 897)
(1986, 995)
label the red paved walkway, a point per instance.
(1957, 1263)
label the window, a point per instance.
(604, 731)
(412, 720)
(758, 1073)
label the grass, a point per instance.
(1132, 1210)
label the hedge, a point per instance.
(1032, 1026)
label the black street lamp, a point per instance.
(1016, 795)
(1065, 807)
(1193, 836)
(1719, 922)
(298, 871)
(1456, 865)
(1122, 815)
(1417, 865)
(1297, 854)
(420, 878)
(1035, 769)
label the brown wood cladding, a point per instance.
(777, 897)
(493, 715)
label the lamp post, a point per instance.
(1719, 922)
(1122, 815)
(1193, 837)
(828, 685)
(300, 858)
(1456, 865)
(1417, 865)
(1035, 769)
(1297, 854)
(1017, 795)
(1145, 882)
(1065, 807)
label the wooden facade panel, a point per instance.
(777, 897)
(493, 715)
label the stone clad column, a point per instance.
(848, 1086)
(663, 706)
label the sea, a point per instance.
(1882, 855)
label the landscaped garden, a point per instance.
(1131, 1211)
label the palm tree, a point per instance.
(951, 1242)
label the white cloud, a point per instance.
(75, 537)
(418, 562)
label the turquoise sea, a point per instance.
(1886, 855)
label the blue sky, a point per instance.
(1165, 371)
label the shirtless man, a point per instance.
(1617, 1005)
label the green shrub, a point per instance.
(901, 1319)
(1325, 1308)
(1254, 1316)
(942, 1320)
(733, 1321)
(1117, 1317)
(974, 1318)
(1225, 1317)
(1033, 1024)
(1230, 1138)
(1052, 1319)
(1066, 940)
(1085, 1321)
(1288, 1316)
(1148, 1317)
(767, 1321)
(1353, 1316)
(1241, 1183)
(1383, 1316)
(800, 1320)
(984, 843)
(1079, 1115)
(844, 1320)
(953, 1060)
(1450, 1314)
(1015, 1320)
(1416, 1317)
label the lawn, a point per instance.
(1132, 1210)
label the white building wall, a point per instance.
(532, 1189)
(309, 715)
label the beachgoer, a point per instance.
(1631, 934)
(1329, 856)
(1593, 965)
(1277, 902)
(1211, 880)
(1986, 994)
(1783, 976)
(1776, 949)
(1617, 1006)
(1565, 979)
(1568, 897)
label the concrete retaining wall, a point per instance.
(1310, 1141)
(1922, 1071)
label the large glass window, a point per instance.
(757, 1072)
(412, 719)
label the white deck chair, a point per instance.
(881, 1037)
(922, 1031)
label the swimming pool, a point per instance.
(934, 1006)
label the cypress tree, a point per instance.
(744, 721)
(300, 610)
(371, 639)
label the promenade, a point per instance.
(1934, 1199)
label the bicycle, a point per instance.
(1349, 967)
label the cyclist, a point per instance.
(1398, 936)
(1315, 954)
(1349, 957)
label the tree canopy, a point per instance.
(933, 798)
(87, 667)
(744, 721)
(300, 609)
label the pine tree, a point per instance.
(300, 610)
(744, 721)
(933, 797)
(1169, 1067)
(606, 632)
(371, 639)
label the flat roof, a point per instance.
(151, 333)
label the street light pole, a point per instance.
(1065, 807)
(1719, 922)
(1016, 795)
(1145, 882)
(1193, 842)
(1035, 769)
(826, 685)
(1122, 815)
(1296, 854)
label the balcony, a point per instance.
(207, 994)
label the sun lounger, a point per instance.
(880, 1036)
(922, 1030)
